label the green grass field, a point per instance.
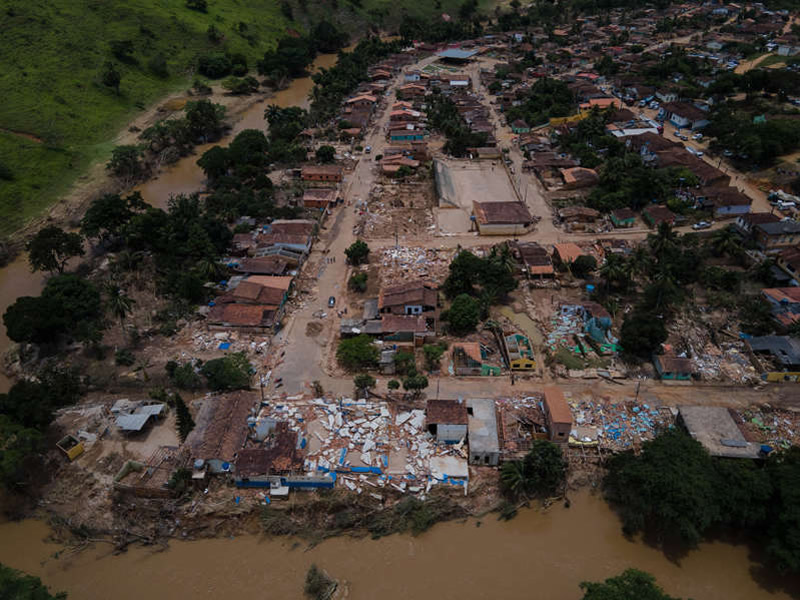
(51, 53)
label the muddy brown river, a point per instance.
(536, 556)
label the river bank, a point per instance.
(540, 554)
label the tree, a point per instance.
(204, 119)
(358, 282)
(756, 316)
(318, 585)
(19, 444)
(68, 306)
(215, 162)
(214, 66)
(726, 241)
(415, 382)
(183, 418)
(616, 272)
(108, 215)
(125, 162)
(241, 86)
(642, 333)
(20, 586)
(357, 353)
(363, 383)
(463, 315)
(357, 253)
(583, 266)
(183, 376)
(118, 302)
(783, 521)
(669, 489)
(393, 384)
(52, 248)
(433, 354)
(632, 584)
(540, 473)
(326, 154)
(110, 77)
(230, 372)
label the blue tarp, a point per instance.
(224, 346)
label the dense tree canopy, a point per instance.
(52, 248)
(632, 584)
(357, 353)
(17, 585)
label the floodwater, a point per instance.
(185, 176)
(16, 280)
(537, 555)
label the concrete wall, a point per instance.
(450, 433)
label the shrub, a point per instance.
(124, 357)
(231, 372)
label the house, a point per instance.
(133, 421)
(411, 298)
(221, 429)
(254, 317)
(484, 441)
(534, 258)
(667, 95)
(406, 133)
(784, 303)
(578, 214)
(402, 328)
(456, 55)
(446, 420)
(623, 217)
(788, 45)
(725, 201)
(656, 215)
(411, 90)
(469, 360)
(520, 126)
(264, 265)
(501, 218)
(362, 101)
(566, 253)
(601, 103)
(256, 466)
(671, 367)
(579, 177)
(320, 198)
(772, 237)
(715, 428)
(682, 114)
(558, 416)
(746, 223)
(519, 352)
(789, 261)
(783, 351)
(328, 173)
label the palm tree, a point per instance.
(272, 113)
(615, 271)
(514, 478)
(726, 241)
(665, 238)
(119, 303)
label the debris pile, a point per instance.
(368, 445)
(402, 262)
(403, 209)
(726, 362)
(619, 426)
(767, 425)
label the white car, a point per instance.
(701, 225)
(697, 136)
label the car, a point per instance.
(331, 301)
(684, 137)
(727, 154)
(676, 133)
(701, 225)
(368, 149)
(697, 136)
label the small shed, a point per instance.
(446, 420)
(716, 430)
(623, 217)
(671, 367)
(557, 414)
(484, 442)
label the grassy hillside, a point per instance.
(52, 53)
